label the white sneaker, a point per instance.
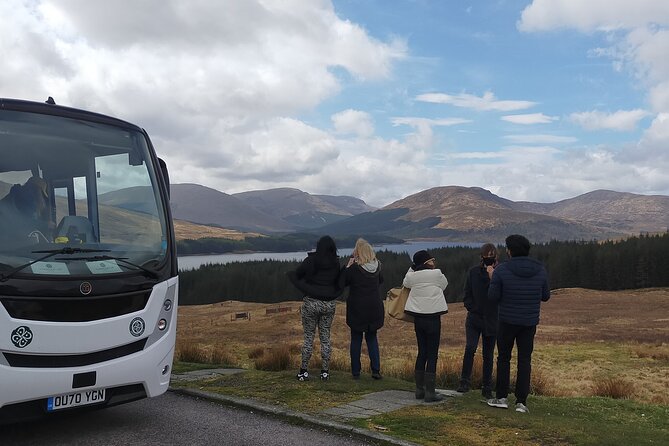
(520, 407)
(498, 402)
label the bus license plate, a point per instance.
(75, 399)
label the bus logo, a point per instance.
(137, 326)
(22, 336)
(85, 288)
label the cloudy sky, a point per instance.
(536, 100)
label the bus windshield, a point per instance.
(77, 198)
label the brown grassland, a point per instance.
(184, 230)
(588, 342)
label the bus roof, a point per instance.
(48, 108)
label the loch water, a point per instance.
(195, 261)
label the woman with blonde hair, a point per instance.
(364, 307)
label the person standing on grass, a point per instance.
(481, 321)
(426, 303)
(518, 287)
(318, 278)
(364, 307)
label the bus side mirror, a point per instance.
(166, 175)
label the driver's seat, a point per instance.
(76, 228)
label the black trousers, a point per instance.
(428, 334)
(475, 329)
(523, 336)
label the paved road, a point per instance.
(170, 419)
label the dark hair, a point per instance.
(326, 246)
(326, 252)
(488, 248)
(517, 245)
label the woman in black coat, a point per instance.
(364, 307)
(318, 278)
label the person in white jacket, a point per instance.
(426, 303)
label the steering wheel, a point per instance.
(36, 234)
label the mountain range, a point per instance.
(450, 213)
(303, 210)
(267, 211)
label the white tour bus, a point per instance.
(88, 267)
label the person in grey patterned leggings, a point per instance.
(317, 277)
(317, 313)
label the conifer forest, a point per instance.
(636, 262)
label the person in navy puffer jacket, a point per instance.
(518, 286)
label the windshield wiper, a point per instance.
(49, 253)
(123, 261)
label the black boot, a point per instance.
(464, 386)
(430, 395)
(419, 375)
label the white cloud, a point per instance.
(353, 122)
(659, 97)
(245, 59)
(622, 120)
(546, 174)
(652, 148)
(638, 45)
(540, 139)
(545, 15)
(641, 45)
(218, 85)
(487, 102)
(419, 122)
(263, 153)
(477, 155)
(423, 138)
(529, 118)
(530, 154)
(658, 132)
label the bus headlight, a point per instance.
(162, 324)
(167, 305)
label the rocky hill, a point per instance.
(610, 210)
(302, 209)
(474, 214)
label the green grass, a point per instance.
(179, 367)
(283, 389)
(463, 420)
(552, 421)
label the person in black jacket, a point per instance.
(481, 320)
(518, 286)
(364, 307)
(318, 278)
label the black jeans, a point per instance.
(523, 336)
(428, 334)
(475, 328)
